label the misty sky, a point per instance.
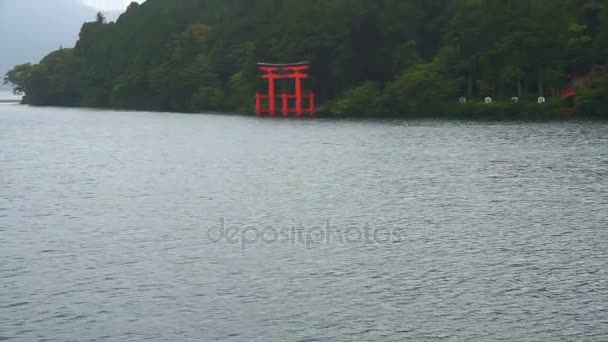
(109, 5)
(30, 29)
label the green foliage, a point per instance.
(55, 81)
(594, 101)
(421, 89)
(129, 91)
(372, 57)
(19, 78)
(240, 92)
(207, 98)
(100, 18)
(363, 100)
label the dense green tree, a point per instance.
(19, 78)
(373, 56)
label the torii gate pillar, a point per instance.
(295, 72)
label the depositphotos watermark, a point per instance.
(299, 234)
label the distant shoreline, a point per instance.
(325, 115)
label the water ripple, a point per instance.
(437, 230)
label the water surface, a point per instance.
(122, 226)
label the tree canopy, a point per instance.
(407, 56)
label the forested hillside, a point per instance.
(368, 56)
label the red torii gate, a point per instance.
(274, 72)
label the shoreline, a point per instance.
(473, 111)
(460, 116)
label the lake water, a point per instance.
(8, 95)
(120, 226)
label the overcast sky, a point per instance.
(110, 5)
